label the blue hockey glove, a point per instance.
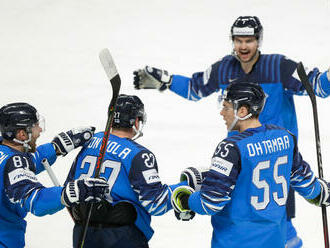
(179, 201)
(323, 198)
(152, 78)
(194, 177)
(84, 190)
(66, 142)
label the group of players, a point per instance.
(247, 189)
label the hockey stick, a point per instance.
(50, 172)
(111, 71)
(304, 80)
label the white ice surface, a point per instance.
(49, 58)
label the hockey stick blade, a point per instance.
(111, 71)
(305, 81)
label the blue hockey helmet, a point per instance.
(246, 94)
(17, 116)
(247, 26)
(128, 108)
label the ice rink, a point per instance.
(49, 58)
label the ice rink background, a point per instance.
(49, 58)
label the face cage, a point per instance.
(41, 123)
(142, 121)
(235, 107)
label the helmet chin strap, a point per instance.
(237, 118)
(25, 143)
(138, 132)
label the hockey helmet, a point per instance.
(247, 26)
(17, 116)
(245, 94)
(128, 108)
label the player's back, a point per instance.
(115, 169)
(256, 216)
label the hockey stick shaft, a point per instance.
(50, 172)
(111, 71)
(304, 80)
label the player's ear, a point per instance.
(137, 123)
(243, 111)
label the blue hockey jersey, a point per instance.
(132, 173)
(21, 192)
(247, 186)
(275, 73)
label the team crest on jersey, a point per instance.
(151, 176)
(221, 165)
(21, 174)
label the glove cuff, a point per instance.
(64, 143)
(70, 194)
(165, 86)
(193, 176)
(324, 196)
(177, 195)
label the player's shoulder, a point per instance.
(226, 59)
(275, 57)
(280, 129)
(237, 138)
(7, 152)
(226, 146)
(17, 160)
(138, 147)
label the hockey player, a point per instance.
(136, 191)
(274, 72)
(20, 161)
(246, 188)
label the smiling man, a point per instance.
(275, 73)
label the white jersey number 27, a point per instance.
(107, 164)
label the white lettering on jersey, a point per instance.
(151, 176)
(112, 147)
(222, 166)
(123, 154)
(18, 175)
(268, 146)
(94, 143)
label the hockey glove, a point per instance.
(194, 176)
(323, 198)
(179, 201)
(152, 78)
(84, 190)
(66, 142)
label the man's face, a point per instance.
(36, 130)
(245, 47)
(227, 113)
